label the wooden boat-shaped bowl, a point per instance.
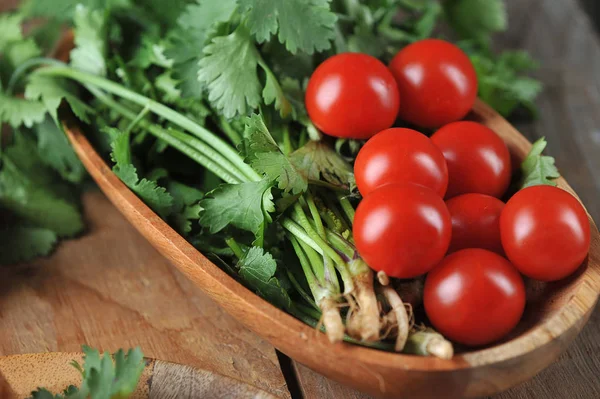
(554, 315)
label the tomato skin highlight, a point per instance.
(352, 95)
(400, 155)
(402, 229)
(437, 81)
(545, 232)
(475, 222)
(474, 297)
(477, 158)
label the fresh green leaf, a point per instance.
(168, 86)
(51, 92)
(186, 207)
(10, 30)
(156, 197)
(266, 157)
(229, 70)
(128, 369)
(317, 160)
(239, 205)
(274, 94)
(21, 51)
(258, 269)
(17, 111)
(55, 151)
(305, 25)
(476, 19)
(90, 40)
(23, 243)
(64, 10)
(539, 169)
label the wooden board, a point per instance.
(111, 289)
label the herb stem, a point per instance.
(229, 131)
(235, 247)
(21, 69)
(159, 109)
(346, 207)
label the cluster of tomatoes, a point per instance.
(431, 205)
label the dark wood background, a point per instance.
(112, 292)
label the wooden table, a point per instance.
(111, 289)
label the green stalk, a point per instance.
(316, 263)
(159, 109)
(333, 207)
(235, 247)
(346, 207)
(301, 290)
(229, 131)
(206, 161)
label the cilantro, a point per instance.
(156, 197)
(500, 82)
(90, 40)
(34, 194)
(266, 157)
(476, 19)
(186, 206)
(241, 205)
(103, 377)
(51, 92)
(318, 160)
(258, 269)
(228, 69)
(168, 86)
(54, 150)
(64, 10)
(10, 30)
(539, 169)
(305, 25)
(17, 111)
(21, 51)
(23, 243)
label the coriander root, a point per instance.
(401, 316)
(428, 342)
(364, 323)
(332, 320)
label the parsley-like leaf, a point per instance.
(266, 157)
(55, 150)
(23, 243)
(51, 92)
(241, 205)
(318, 160)
(186, 207)
(156, 197)
(10, 30)
(21, 51)
(258, 269)
(229, 70)
(305, 25)
(539, 169)
(18, 111)
(90, 40)
(476, 19)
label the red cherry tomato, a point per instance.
(352, 95)
(402, 229)
(400, 156)
(475, 222)
(545, 232)
(474, 297)
(478, 160)
(437, 82)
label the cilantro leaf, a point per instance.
(168, 86)
(128, 369)
(476, 19)
(500, 82)
(33, 193)
(90, 40)
(266, 157)
(229, 70)
(274, 94)
(258, 269)
(318, 160)
(241, 205)
(51, 91)
(64, 10)
(55, 150)
(23, 243)
(539, 169)
(21, 51)
(10, 30)
(18, 111)
(305, 25)
(156, 197)
(186, 207)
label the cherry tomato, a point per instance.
(478, 160)
(402, 229)
(400, 156)
(352, 95)
(475, 222)
(545, 232)
(474, 297)
(437, 82)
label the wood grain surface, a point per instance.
(556, 32)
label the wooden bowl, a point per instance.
(554, 315)
(21, 374)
